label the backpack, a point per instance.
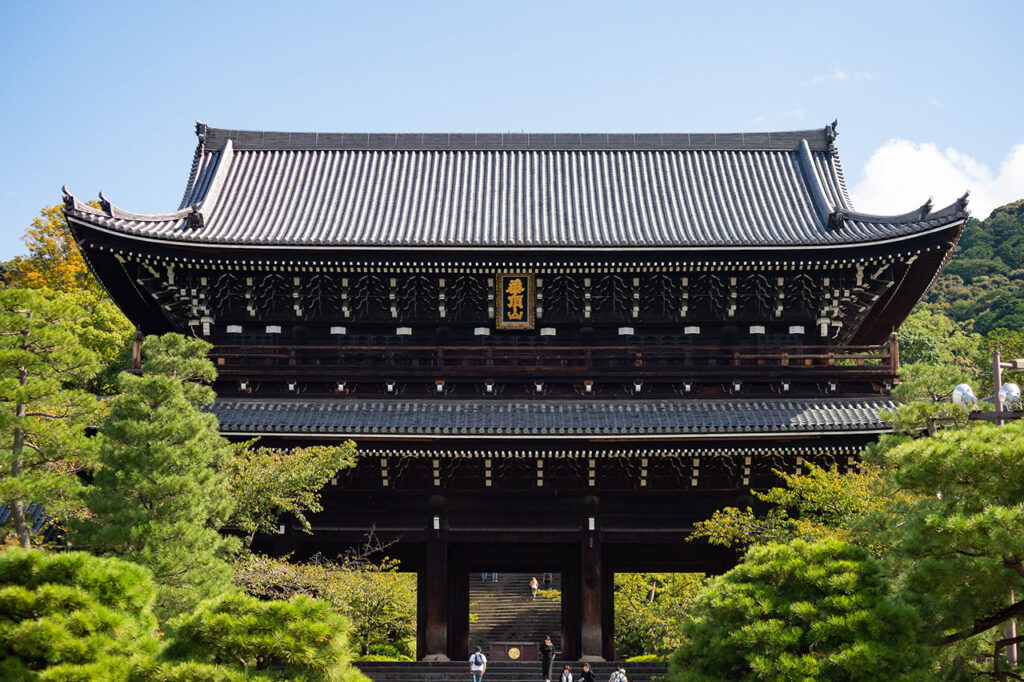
(477, 658)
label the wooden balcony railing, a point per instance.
(626, 361)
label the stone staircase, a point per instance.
(505, 611)
(458, 671)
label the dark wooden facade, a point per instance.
(555, 352)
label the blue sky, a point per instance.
(103, 96)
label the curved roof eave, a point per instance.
(87, 219)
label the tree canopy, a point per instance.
(297, 639)
(801, 611)
(378, 599)
(43, 416)
(73, 616)
(267, 483)
(160, 495)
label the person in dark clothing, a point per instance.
(586, 675)
(547, 658)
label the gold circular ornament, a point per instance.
(514, 653)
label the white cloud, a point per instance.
(840, 75)
(796, 112)
(901, 175)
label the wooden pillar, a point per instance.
(608, 615)
(571, 613)
(591, 585)
(458, 607)
(137, 350)
(434, 612)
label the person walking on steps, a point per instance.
(586, 675)
(478, 665)
(547, 658)
(533, 587)
(566, 674)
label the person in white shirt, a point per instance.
(566, 674)
(478, 665)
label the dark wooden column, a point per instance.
(591, 584)
(434, 612)
(571, 579)
(458, 606)
(608, 615)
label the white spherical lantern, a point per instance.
(963, 395)
(1009, 394)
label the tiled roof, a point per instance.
(550, 418)
(507, 191)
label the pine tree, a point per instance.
(801, 611)
(72, 616)
(160, 494)
(42, 419)
(298, 639)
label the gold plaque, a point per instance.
(514, 653)
(515, 300)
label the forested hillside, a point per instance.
(984, 283)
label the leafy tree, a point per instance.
(53, 261)
(42, 418)
(298, 639)
(160, 494)
(72, 616)
(958, 550)
(801, 611)
(268, 482)
(650, 609)
(375, 597)
(925, 398)
(929, 337)
(820, 504)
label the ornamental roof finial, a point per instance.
(926, 209)
(831, 133)
(201, 129)
(961, 203)
(69, 198)
(105, 204)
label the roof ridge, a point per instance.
(819, 139)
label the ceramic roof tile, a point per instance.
(484, 417)
(471, 190)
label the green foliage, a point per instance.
(42, 417)
(160, 494)
(376, 598)
(925, 396)
(649, 611)
(930, 338)
(268, 482)
(958, 549)
(817, 505)
(800, 611)
(72, 616)
(54, 263)
(298, 639)
(984, 283)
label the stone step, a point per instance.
(425, 671)
(505, 611)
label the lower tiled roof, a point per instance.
(548, 417)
